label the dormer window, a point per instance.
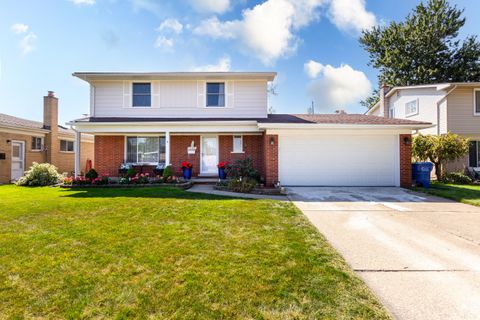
(215, 94)
(141, 96)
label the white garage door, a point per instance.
(338, 160)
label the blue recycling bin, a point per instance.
(421, 173)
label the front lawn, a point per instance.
(167, 254)
(469, 194)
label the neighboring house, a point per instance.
(207, 117)
(450, 107)
(23, 142)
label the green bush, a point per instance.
(243, 168)
(167, 172)
(92, 174)
(40, 174)
(244, 185)
(131, 172)
(456, 178)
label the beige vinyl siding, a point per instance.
(461, 118)
(427, 105)
(181, 98)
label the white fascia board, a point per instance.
(393, 131)
(24, 130)
(319, 126)
(154, 127)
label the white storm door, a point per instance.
(18, 159)
(209, 155)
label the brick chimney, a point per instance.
(50, 122)
(384, 103)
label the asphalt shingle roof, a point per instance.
(12, 121)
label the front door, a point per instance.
(209, 155)
(18, 159)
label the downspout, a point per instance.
(438, 107)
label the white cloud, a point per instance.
(27, 44)
(147, 5)
(222, 65)
(163, 42)
(19, 28)
(83, 2)
(351, 15)
(338, 88)
(313, 68)
(268, 29)
(172, 25)
(211, 6)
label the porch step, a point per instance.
(205, 180)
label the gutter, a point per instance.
(438, 107)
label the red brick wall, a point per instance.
(252, 147)
(270, 153)
(109, 154)
(405, 161)
(178, 153)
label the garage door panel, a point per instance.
(341, 160)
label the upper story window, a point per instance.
(476, 100)
(215, 94)
(411, 108)
(141, 95)
(237, 144)
(37, 143)
(146, 150)
(391, 112)
(66, 145)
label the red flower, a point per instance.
(186, 165)
(222, 165)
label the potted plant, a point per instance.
(222, 174)
(187, 170)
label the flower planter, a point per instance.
(222, 174)
(187, 173)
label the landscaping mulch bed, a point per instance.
(261, 191)
(183, 185)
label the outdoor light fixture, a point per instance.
(406, 141)
(272, 141)
(8, 141)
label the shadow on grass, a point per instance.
(150, 192)
(462, 193)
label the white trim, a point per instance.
(316, 126)
(125, 141)
(475, 113)
(201, 152)
(225, 90)
(131, 96)
(41, 143)
(66, 151)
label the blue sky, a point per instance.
(312, 44)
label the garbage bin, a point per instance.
(421, 173)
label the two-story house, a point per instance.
(24, 141)
(450, 107)
(207, 117)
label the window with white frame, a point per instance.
(37, 143)
(237, 144)
(391, 112)
(141, 95)
(215, 94)
(474, 154)
(147, 150)
(66, 146)
(411, 108)
(476, 101)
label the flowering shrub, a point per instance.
(91, 174)
(140, 178)
(243, 168)
(85, 181)
(186, 165)
(222, 165)
(40, 174)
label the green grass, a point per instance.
(168, 254)
(469, 194)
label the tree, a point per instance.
(439, 149)
(423, 49)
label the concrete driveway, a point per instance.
(419, 254)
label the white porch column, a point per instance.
(78, 142)
(167, 148)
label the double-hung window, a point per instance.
(66, 145)
(215, 94)
(37, 143)
(237, 144)
(411, 108)
(146, 150)
(141, 95)
(474, 154)
(476, 100)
